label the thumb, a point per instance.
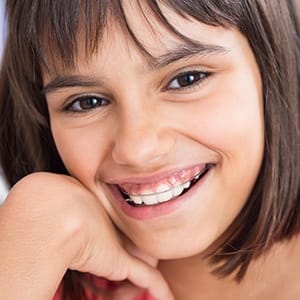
(142, 276)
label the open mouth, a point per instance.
(150, 199)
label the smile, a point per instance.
(163, 192)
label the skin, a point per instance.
(145, 127)
(35, 223)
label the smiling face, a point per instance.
(171, 147)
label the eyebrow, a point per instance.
(179, 53)
(66, 81)
(186, 51)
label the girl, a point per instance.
(154, 144)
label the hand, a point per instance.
(126, 290)
(50, 223)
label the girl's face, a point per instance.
(182, 134)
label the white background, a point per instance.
(3, 189)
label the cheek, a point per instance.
(230, 123)
(81, 150)
(229, 120)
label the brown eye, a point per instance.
(87, 103)
(187, 79)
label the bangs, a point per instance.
(60, 28)
(57, 30)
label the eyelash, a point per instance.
(192, 79)
(181, 82)
(93, 101)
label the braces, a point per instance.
(193, 182)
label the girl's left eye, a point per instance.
(187, 79)
(86, 103)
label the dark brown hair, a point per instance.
(40, 31)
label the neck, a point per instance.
(191, 278)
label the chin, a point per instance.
(164, 251)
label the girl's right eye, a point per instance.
(86, 103)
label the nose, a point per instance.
(141, 139)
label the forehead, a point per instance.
(152, 31)
(155, 34)
(140, 30)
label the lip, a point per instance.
(157, 210)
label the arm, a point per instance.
(50, 223)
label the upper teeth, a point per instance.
(163, 193)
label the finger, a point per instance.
(132, 249)
(148, 278)
(126, 291)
